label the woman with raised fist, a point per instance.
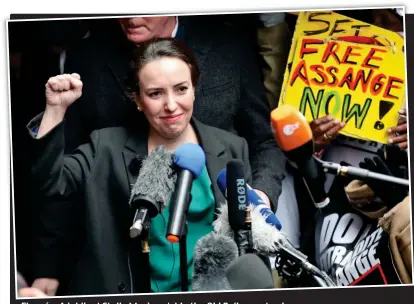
(165, 76)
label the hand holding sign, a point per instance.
(399, 132)
(324, 130)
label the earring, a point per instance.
(139, 108)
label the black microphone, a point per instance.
(249, 272)
(238, 207)
(190, 160)
(213, 253)
(294, 136)
(153, 188)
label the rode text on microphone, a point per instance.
(239, 215)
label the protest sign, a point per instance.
(346, 68)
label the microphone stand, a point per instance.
(337, 169)
(183, 257)
(243, 237)
(284, 248)
(146, 252)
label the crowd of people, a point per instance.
(118, 88)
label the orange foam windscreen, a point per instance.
(290, 127)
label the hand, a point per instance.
(396, 160)
(264, 197)
(399, 133)
(390, 194)
(63, 90)
(48, 286)
(31, 292)
(324, 130)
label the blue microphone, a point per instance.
(253, 198)
(190, 160)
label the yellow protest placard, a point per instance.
(346, 68)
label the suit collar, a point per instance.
(216, 158)
(208, 141)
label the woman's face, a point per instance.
(166, 95)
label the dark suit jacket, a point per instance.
(101, 171)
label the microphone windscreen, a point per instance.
(191, 157)
(156, 178)
(249, 272)
(294, 136)
(213, 253)
(236, 194)
(290, 128)
(264, 234)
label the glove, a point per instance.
(396, 160)
(389, 193)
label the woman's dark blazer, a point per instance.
(108, 261)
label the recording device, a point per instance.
(213, 254)
(239, 216)
(217, 266)
(151, 192)
(294, 136)
(253, 199)
(269, 241)
(189, 159)
(249, 272)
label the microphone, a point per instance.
(249, 272)
(294, 136)
(153, 188)
(238, 210)
(213, 254)
(254, 200)
(269, 241)
(364, 174)
(190, 160)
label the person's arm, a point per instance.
(253, 123)
(53, 173)
(274, 42)
(56, 176)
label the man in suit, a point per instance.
(230, 96)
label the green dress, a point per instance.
(165, 256)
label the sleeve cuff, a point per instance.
(34, 124)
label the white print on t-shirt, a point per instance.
(347, 249)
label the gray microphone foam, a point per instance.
(213, 253)
(249, 272)
(156, 177)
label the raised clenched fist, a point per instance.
(63, 90)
